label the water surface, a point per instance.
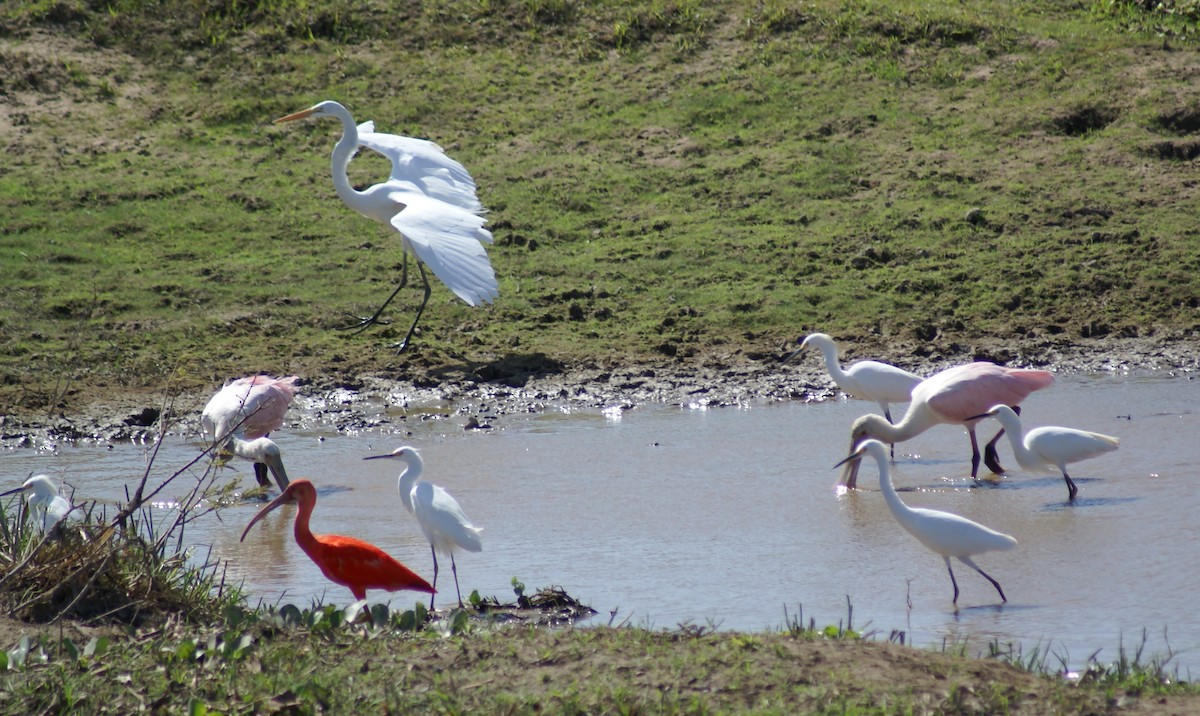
(665, 515)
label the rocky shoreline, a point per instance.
(531, 386)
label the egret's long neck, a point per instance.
(408, 478)
(831, 363)
(1016, 438)
(900, 511)
(343, 152)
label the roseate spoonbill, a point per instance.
(429, 199)
(442, 521)
(1044, 450)
(954, 396)
(243, 413)
(44, 501)
(946, 533)
(346, 561)
(867, 379)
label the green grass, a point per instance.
(664, 179)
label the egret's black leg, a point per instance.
(991, 458)
(1071, 488)
(365, 323)
(454, 569)
(970, 563)
(402, 345)
(435, 571)
(952, 579)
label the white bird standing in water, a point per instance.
(871, 380)
(429, 199)
(1049, 449)
(442, 521)
(243, 413)
(948, 534)
(44, 501)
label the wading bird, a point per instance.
(946, 533)
(429, 199)
(871, 380)
(955, 396)
(243, 413)
(442, 521)
(1044, 450)
(44, 501)
(346, 561)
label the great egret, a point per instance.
(44, 501)
(241, 415)
(346, 561)
(871, 380)
(429, 199)
(1045, 450)
(946, 533)
(442, 521)
(955, 396)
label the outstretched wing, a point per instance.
(449, 240)
(424, 164)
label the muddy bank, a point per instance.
(488, 393)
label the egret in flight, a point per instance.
(946, 533)
(1050, 449)
(955, 396)
(429, 199)
(243, 413)
(44, 501)
(871, 380)
(442, 521)
(346, 561)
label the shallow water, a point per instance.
(668, 515)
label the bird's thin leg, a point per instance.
(428, 290)
(952, 579)
(365, 323)
(454, 569)
(991, 458)
(1071, 488)
(260, 474)
(887, 413)
(967, 561)
(435, 571)
(974, 453)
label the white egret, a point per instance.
(45, 502)
(441, 518)
(243, 413)
(1049, 449)
(946, 533)
(955, 396)
(429, 199)
(871, 380)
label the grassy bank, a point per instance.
(666, 181)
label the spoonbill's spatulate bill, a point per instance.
(243, 413)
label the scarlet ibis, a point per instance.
(347, 561)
